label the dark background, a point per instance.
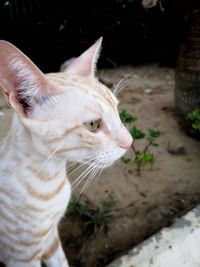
(50, 32)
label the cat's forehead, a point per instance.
(84, 89)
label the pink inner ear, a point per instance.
(21, 81)
(85, 64)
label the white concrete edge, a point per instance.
(177, 245)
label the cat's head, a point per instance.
(69, 113)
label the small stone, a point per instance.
(148, 91)
(175, 149)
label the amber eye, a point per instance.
(93, 126)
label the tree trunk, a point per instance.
(187, 88)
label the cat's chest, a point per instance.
(45, 211)
(34, 197)
(39, 202)
(48, 196)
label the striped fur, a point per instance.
(48, 130)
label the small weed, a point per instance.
(95, 217)
(126, 117)
(143, 156)
(193, 119)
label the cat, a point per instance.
(59, 117)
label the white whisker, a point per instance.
(60, 165)
(89, 179)
(99, 168)
(124, 85)
(80, 159)
(83, 164)
(51, 155)
(86, 172)
(81, 177)
(100, 172)
(99, 175)
(119, 83)
(124, 82)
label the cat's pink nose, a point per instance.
(125, 144)
(125, 140)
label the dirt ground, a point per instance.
(145, 202)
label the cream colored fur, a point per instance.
(48, 129)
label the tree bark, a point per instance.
(187, 87)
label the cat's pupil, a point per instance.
(92, 126)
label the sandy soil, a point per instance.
(146, 202)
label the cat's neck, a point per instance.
(18, 146)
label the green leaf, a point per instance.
(138, 156)
(93, 216)
(196, 126)
(144, 158)
(149, 158)
(125, 160)
(126, 117)
(136, 133)
(153, 133)
(193, 118)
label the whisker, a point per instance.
(83, 158)
(60, 165)
(91, 170)
(84, 163)
(99, 168)
(89, 179)
(125, 84)
(81, 177)
(85, 173)
(120, 83)
(78, 180)
(99, 175)
(99, 171)
(51, 155)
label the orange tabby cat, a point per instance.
(59, 117)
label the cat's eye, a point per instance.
(93, 126)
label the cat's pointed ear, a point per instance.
(22, 83)
(85, 64)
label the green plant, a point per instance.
(95, 217)
(143, 156)
(193, 119)
(126, 117)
